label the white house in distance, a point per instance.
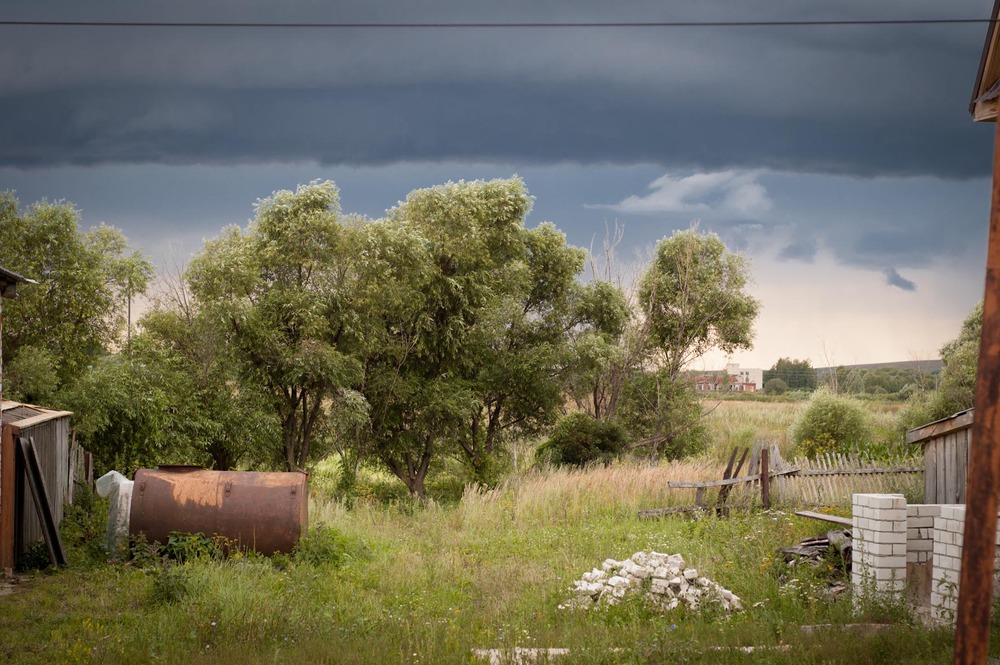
(732, 379)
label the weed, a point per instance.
(170, 584)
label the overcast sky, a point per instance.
(841, 160)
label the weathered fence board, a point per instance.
(832, 478)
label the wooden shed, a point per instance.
(946, 445)
(60, 462)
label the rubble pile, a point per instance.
(663, 579)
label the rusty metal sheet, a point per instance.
(266, 512)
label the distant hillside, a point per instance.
(925, 365)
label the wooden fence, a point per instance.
(832, 478)
(827, 480)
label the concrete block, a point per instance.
(919, 521)
(920, 545)
(898, 562)
(899, 550)
(889, 537)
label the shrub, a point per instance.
(775, 387)
(579, 439)
(654, 405)
(829, 423)
(325, 546)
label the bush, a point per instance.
(775, 387)
(579, 439)
(653, 405)
(829, 423)
(325, 546)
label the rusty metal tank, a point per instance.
(266, 512)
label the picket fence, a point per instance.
(831, 479)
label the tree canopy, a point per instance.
(694, 298)
(77, 311)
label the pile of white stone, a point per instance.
(662, 578)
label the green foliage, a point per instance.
(829, 423)
(76, 312)
(796, 374)
(580, 439)
(775, 386)
(280, 295)
(693, 296)
(184, 547)
(666, 413)
(169, 584)
(326, 546)
(467, 353)
(32, 376)
(957, 383)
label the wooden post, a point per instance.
(975, 594)
(8, 479)
(765, 480)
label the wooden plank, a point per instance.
(942, 469)
(930, 474)
(941, 427)
(8, 480)
(676, 484)
(846, 521)
(963, 457)
(40, 496)
(663, 512)
(953, 477)
(765, 487)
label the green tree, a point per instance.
(282, 292)
(136, 410)
(957, 382)
(234, 420)
(797, 374)
(76, 313)
(473, 356)
(694, 299)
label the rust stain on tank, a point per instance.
(267, 512)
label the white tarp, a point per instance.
(119, 489)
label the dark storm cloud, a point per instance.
(893, 278)
(801, 250)
(832, 100)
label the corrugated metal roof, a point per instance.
(15, 413)
(19, 413)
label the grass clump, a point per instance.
(326, 546)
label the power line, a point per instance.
(493, 26)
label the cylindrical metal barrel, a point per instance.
(266, 512)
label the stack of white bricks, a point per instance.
(920, 531)
(879, 543)
(949, 528)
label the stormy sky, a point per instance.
(841, 159)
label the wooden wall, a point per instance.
(52, 443)
(946, 465)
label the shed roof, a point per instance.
(9, 281)
(983, 106)
(26, 415)
(960, 420)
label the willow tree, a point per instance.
(77, 312)
(694, 299)
(281, 291)
(472, 355)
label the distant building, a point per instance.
(732, 379)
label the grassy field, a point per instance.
(428, 584)
(398, 582)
